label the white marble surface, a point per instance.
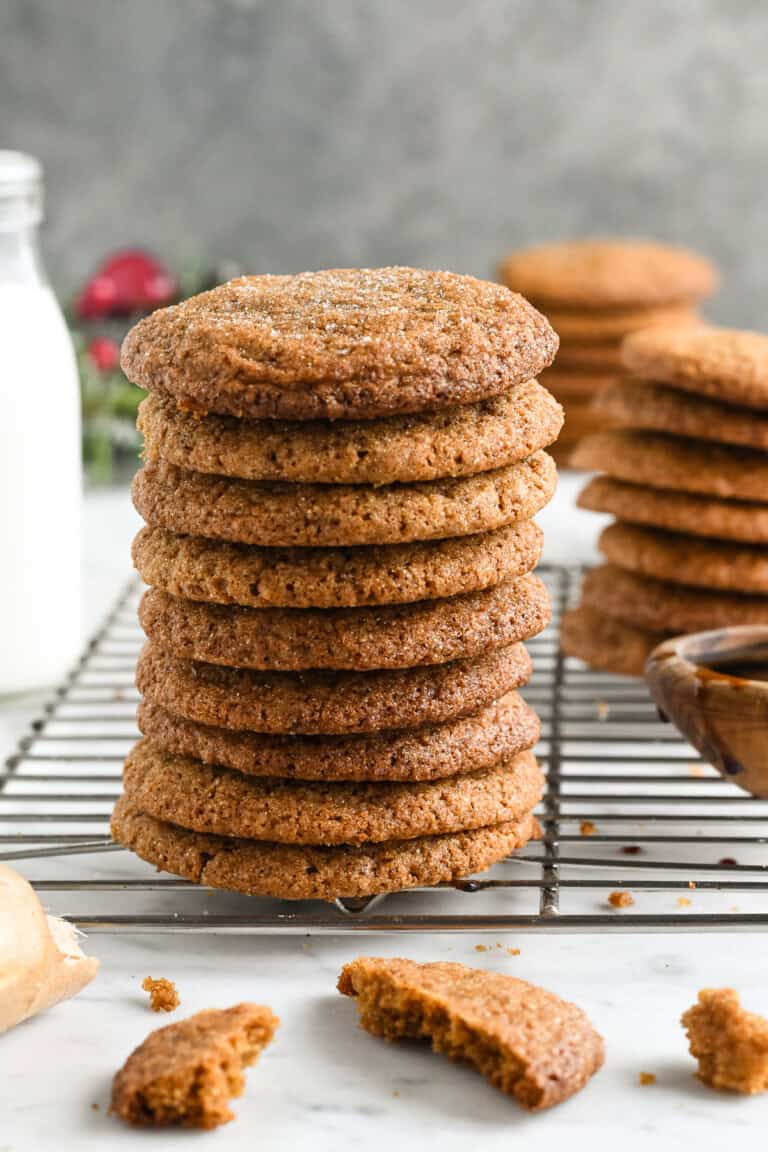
(326, 1085)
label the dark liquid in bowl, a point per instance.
(738, 664)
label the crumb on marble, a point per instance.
(683, 902)
(95, 1106)
(647, 1078)
(729, 1043)
(603, 710)
(513, 951)
(631, 849)
(621, 899)
(728, 862)
(481, 947)
(163, 996)
(587, 828)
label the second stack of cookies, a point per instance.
(341, 474)
(594, 293)
(686, 476)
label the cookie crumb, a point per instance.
(683, 902)
(95, 1107)
(621, 899)
(163, 996)
(691, 884)
(513, 951)
(647, 1078)
(395, 1093)
(481, 947)
(631, 849)
(184, 1074)
(730, 1044)
(696, 770)
(587, 828)
(603, 710)
(728, 862)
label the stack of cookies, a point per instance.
(686, 476)
(595, 292)
(341, 473)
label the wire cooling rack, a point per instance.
(629, 808)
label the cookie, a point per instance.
(304, 872)
(350, 343)
(219, 572)
(567, 386)
(527, 1042)
(328, 703)
(594, 327)
(650, 458)
(594, 358)
(480, 740)
(457, 442)
(203, 798)
(677, 511)
(681, 560)
(391, 636)
(660, 606)
(721, 363)
(642, 404)
(605, 642)
(183, 1075)
(608, 273)
(322, 515)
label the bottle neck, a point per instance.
(20, 261)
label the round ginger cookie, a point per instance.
(304, 872)
(328, 703)
(223, 573)
(480, 740)
(606, 643)
(597, 327)
(389, 636)
(333, 515)
(349, 343)
(722, 363)
(671, 462)
(660, 606)
(677, 511)
(681, 560)
(216, 800)
(633, 403)
(608, 274)
(457, 442)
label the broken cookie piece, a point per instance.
(163, 996)
(526, 1041)
(185, 1074)
(730, 1044)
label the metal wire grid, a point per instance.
(629, 807)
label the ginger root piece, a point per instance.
(184, 1074)
(41, 961)
(730, 1044)
(526, 1041)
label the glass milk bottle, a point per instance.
(40, 469)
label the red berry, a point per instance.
(127, 282)
(104, 354)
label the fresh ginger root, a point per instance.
(40, 960)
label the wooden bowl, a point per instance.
(714, 687)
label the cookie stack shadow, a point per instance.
(594, 293)
(341, 471)
(685, 473)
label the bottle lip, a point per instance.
(21, 190)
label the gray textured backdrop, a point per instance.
(291, 134)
